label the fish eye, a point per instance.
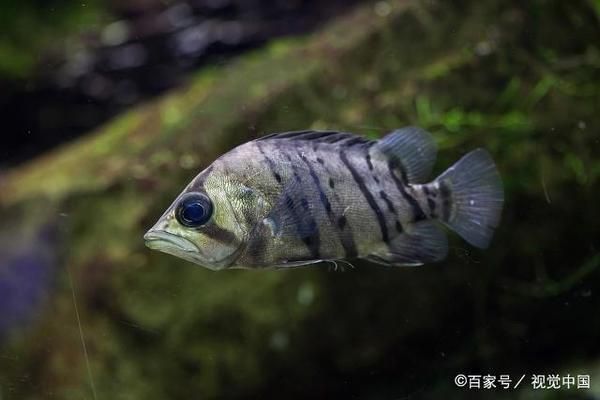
(194, 210)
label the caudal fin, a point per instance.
(475, 191)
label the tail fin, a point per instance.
(476, 197)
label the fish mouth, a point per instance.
(183, 248)
(168, 243)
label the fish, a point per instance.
(304, 197)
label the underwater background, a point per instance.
(90, 158)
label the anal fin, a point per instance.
(426, 242)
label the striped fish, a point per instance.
(297, 198)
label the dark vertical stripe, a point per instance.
(369, 163)
(324, 200)
(418, 213)
(345, 230)
(368, 196)
(270, 163)
(294, 169)
(403, 173)
(399, 227)
(388, 202)
(431, 205)
(445, 196)
(306, 227)
(430, 195)
(346, 240)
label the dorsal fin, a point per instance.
(318, 136)
(412, 149)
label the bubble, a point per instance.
(187, 161)
(179, 15)
(306, 294)
(279, 340)
(193, 39)
(79, 64)
(115, 33)
(483, 48)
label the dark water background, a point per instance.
(86, 311)
(123, 53)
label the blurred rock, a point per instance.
(150, 47)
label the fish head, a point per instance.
(209, 222)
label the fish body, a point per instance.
(298, 198)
